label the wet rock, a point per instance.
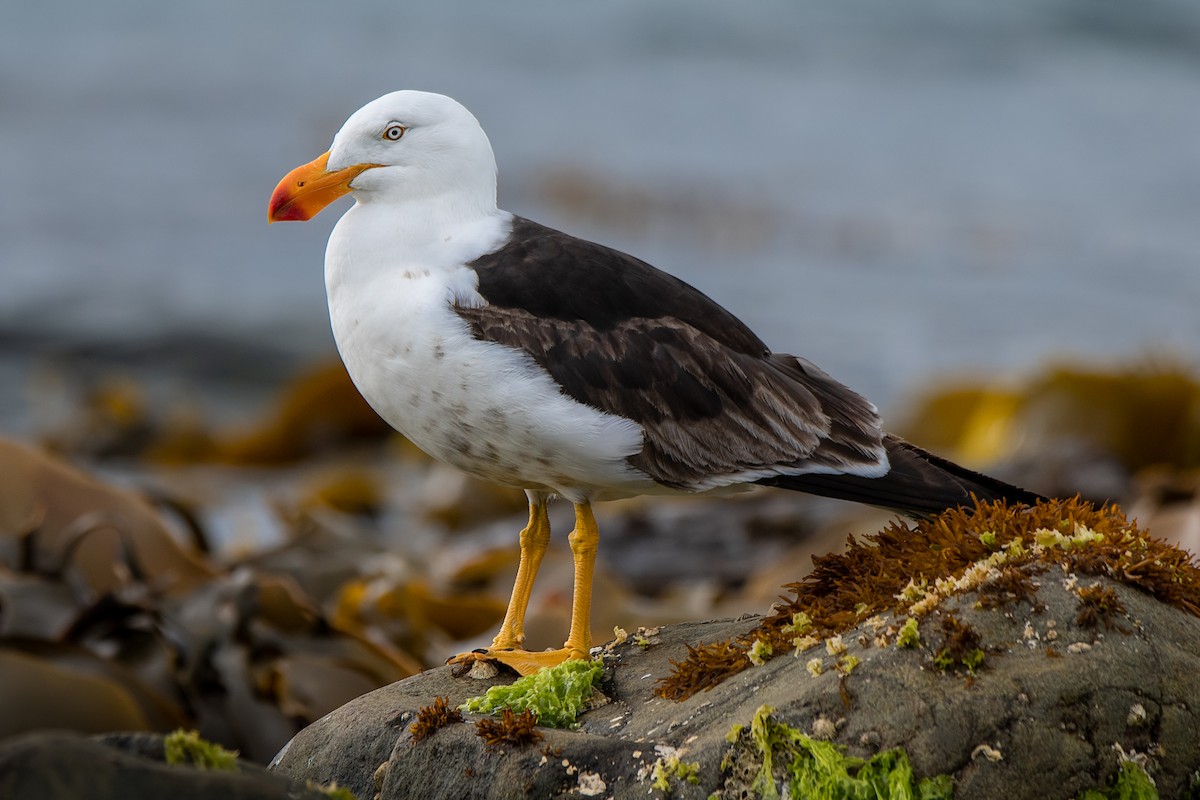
(61, 766)
(57, 685)
(1046, 714)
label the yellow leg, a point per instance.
(584, 541)
(534, 541)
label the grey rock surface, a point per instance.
(66, 766)
(1042, 718)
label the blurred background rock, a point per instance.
(980, 215)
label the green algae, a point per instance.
(813, 768)
(334, 792)
(187, 748)
(556, 695)
(671, 768)
(1132, 783)
(910, 634)
(760, 651)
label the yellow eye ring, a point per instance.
(393, 132)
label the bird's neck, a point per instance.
(434, 235)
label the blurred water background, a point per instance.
(897, 191)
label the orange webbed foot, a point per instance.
(523, 662)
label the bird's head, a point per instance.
(404, 147)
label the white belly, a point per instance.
(482, 407)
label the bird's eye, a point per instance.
(394, 131)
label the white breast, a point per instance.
(483, 407)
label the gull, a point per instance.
(531, 358)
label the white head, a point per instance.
(405, 147)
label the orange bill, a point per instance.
(306, 190)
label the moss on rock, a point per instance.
(188, 749)
(913, 568)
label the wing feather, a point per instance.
(619, 335)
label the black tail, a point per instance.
(918, 484)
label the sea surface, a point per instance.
(901, 192)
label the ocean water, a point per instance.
(899, 192)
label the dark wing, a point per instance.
(918, 483)
(625, 338)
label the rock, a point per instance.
(62, 766)
(107, 622)
(57, 520)
(1047, 714)
(60, 686)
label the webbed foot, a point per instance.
(523, 661)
